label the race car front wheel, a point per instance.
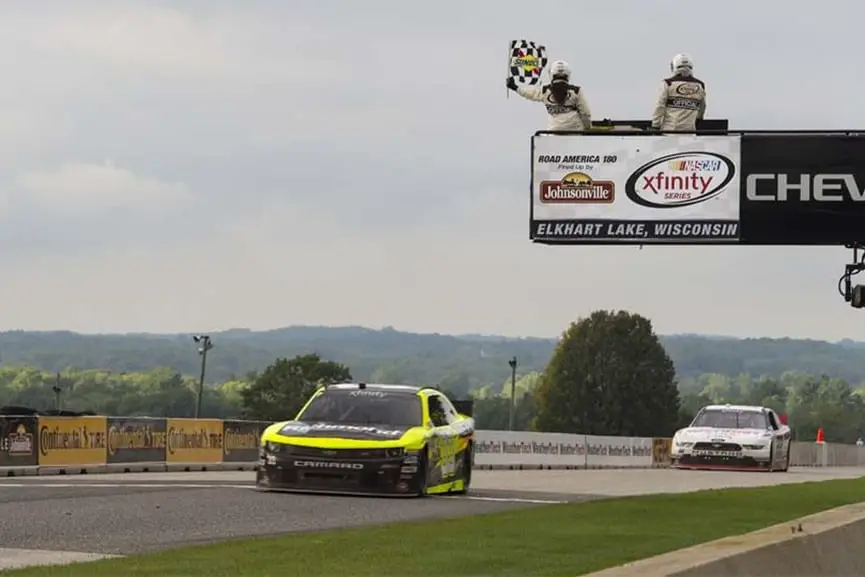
(422, 474)
(787, 460)
(773, 456)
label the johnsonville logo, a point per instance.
(19, 443)
(577, 188)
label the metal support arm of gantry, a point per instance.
(853, 294)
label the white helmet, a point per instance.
(682, 64)
(560, 68)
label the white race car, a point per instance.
(733, 437)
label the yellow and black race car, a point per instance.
(361, 438)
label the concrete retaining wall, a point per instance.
(826, 455)
(830, 545)
(827, 544)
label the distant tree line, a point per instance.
(609, 374)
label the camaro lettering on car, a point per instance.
(328, 465)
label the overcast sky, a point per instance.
(188, 166)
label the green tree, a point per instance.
(523, 385)
(457, 382)
(492, 412)
(280, 391)
(609, 375)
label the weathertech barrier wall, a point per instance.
(636, 187)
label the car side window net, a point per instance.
(437, 412)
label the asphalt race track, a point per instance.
(123, 514)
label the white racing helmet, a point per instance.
(682, 64)
(560, 69)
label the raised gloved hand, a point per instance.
(511, 83)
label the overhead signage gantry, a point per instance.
(623, 184)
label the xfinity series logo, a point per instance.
(803, 188)
(681, 179)
(328, 465)
(577, 187)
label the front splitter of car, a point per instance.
(374, 478)
(340, 492)
(706, 462)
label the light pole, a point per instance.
(204, 344)
(513, 364)
(57, 392)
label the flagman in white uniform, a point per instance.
(566, 104)
(682, 99)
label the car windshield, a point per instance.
(365, 407)
(730, 419)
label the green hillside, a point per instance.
(458, 362)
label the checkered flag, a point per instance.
(527, 61)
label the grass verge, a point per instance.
(556, 540)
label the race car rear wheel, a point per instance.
(469, 461)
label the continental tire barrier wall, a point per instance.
(98, 443)
(72, 442)
(139, 440)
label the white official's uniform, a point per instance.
(573, 114)
(681, 102)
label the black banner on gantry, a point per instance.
(802, 189)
